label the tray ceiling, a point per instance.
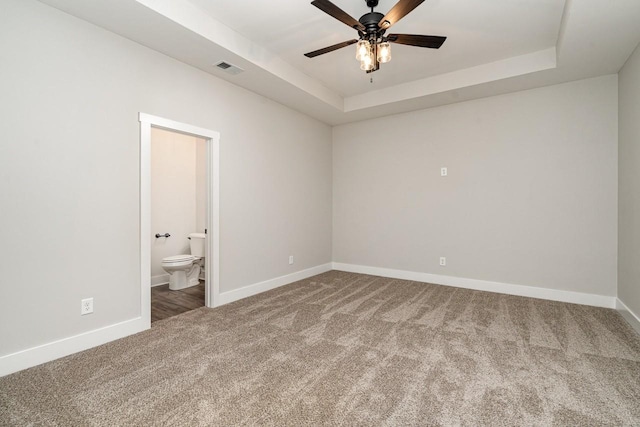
(492, 47)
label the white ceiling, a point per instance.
(477, 34)
(492, 47)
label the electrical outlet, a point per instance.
(443, 171)
(443, 261)
(86, 306)
(290, 259)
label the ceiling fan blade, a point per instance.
(399, 11)
(331, 9)
(434, 42)
(330, 48)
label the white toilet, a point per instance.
(184, 270)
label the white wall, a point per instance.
(178, 194)
(201, 185)
(629, 184)
(69, 173)
(530, 199)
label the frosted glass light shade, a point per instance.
(362, 49)
(366, 63)
(384, 52)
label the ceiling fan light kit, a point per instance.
(384, 52)
(362, 49)
(372, 47)
(367, 63)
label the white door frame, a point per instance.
(212, 217)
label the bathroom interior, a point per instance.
(178, 223)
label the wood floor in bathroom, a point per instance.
(167, 303)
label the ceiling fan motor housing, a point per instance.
(370, 21)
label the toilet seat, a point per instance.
(178, 259)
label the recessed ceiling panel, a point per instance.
(478, 32)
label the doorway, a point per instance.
(211, 140)
(178, 228)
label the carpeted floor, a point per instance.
(349, 349)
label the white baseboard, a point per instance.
(44, 353)
(256, 288)
(484, 285)
(630, 316)
(161, 279)
(50, 351)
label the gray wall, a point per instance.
(629, 184)
(530, 199)
(69, 173)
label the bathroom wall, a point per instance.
(177, 195)
(201, 185)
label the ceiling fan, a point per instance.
(373, 46)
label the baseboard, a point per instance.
(484, 285)
(630, 316)
(44, 353)
(256, 288)
(161, 279)
(47, 352)
(54, 350)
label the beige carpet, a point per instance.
(349, 349)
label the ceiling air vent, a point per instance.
(228, 68)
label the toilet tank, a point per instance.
(196, 240)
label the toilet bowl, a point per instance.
(184, 271)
